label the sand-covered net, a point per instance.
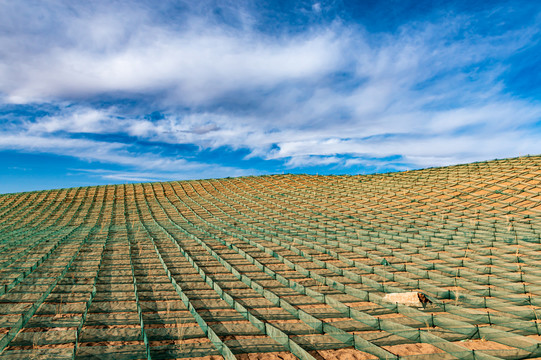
(439, 263)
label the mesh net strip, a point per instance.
(453, 325)
(341, 335)
(275, 333)
(376, 323)
(4, 341)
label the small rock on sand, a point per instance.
(412, 298)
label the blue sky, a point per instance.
(127, 91)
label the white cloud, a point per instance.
(305, 161)
(104, 53)
(136, 166)
(193, 172)
(307, 99)
(81, 120)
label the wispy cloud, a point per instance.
(125, 88)
(102, 53)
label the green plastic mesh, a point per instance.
(291, 263)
